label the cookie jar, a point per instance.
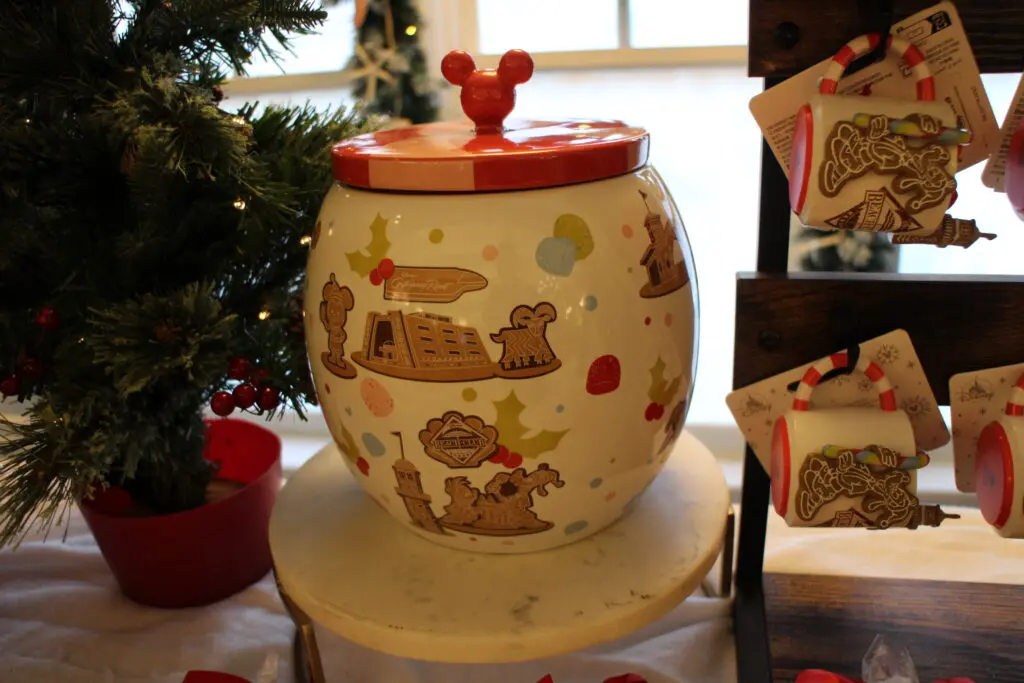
(501, 319)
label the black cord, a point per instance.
(876, 17)
(853, 357)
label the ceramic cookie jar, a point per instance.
(501, 319)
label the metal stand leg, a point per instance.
(305, 653)
(724, 589)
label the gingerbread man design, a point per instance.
(488, 95)
(337, 302)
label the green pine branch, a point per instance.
(165, 230)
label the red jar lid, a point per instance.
(487, 153)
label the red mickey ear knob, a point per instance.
(488, 95)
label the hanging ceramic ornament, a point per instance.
(848, 467)
(879, 164)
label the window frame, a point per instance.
(451, 24)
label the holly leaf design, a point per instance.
(348, 444)
(362, 263)
(662, 391)
(512, 432)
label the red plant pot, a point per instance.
(199, 556)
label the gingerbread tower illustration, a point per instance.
(417, 502)
(664, 274)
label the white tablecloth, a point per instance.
(63, 619)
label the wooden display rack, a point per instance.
(957, 323)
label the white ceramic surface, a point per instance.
(810, 431)
(573, 346)
(355, 573)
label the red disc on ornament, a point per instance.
(993, 475)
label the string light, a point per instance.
(305, 239)
(410, 30)
(239, 204)
(264, 315)
(239, 120)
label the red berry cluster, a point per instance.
(506, 458)
(248, 393)
(384, 270)
(30, 368)
(654, 412)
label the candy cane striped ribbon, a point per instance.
(1015, 406)
(858, 47)
(886, 395)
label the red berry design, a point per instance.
(245, 395)
(269, 398)
(363, 466)
(223, 403)
(500, 456)
(238, 368)
(258, 375)
(375, 278)
(386, 268)
(48, 318)
(10, 386)
(31, 368)
(513, 461)
(647, 320)
(654, 412)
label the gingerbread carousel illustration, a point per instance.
(503, 508)
(337, 302)
(662, 259)
(434, 348)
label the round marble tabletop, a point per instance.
(360, 574)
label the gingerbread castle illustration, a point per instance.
(503, 508)
(664, 273)
(417, 502)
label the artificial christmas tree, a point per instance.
(152, 244)
(395, 80)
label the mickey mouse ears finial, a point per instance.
(488, 95)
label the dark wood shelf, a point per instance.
(824, 26)
(951, 629)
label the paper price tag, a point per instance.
(994, 175)
(939, 34)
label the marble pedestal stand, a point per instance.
(342, 562)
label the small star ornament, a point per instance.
(374, 68)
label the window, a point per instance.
(676, 68)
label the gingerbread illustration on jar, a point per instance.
(337, 302)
